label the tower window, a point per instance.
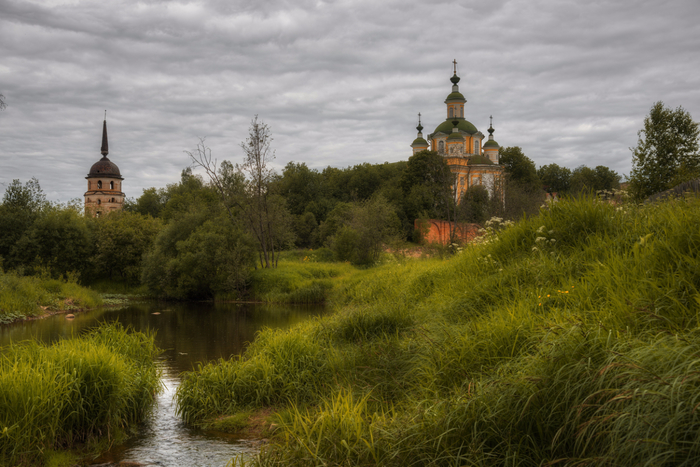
(451, 112)
(99, 184)
(111, 185)
(476, 146)
(441, 147)
(461, 112)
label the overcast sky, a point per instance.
(339, 82)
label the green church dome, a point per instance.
(419, 142)
(455, 136)
(455, 96)
(463, 125)
(491, 144)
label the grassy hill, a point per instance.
(570, 338)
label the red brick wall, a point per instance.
(435, 231)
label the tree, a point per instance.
(266, 215)
(519, 169)
(121, 240)
(21, 206)
(666, 153)
(371, 224)
(554, 179)
(427, 185)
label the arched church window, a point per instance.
(99, 184)
(476, 146)
(99, 201)
(111, 185)
(441, 147)
(451, 112)
(461, 112)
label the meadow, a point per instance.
(569, 338)
(62, 400)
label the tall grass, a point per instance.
(73, 391)
(571, 338)
(297, 281)
(24, 296)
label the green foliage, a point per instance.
(21, 206)
(570, 337)
(60, 240)
(121, 240)
(198, 257)
(370, 226)
(73, 391)
(474, 207)
(519, 169)
(584, 179)
(666, 153)
(554, 179)
(426, 186)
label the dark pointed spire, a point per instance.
(491, 130)
(105, 148)
(419, 127)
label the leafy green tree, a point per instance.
(427, 186)
(475, 204)
(197, 257)
(666, 153)
(583, 179)
(519, 169)
(371, 225)
(555, 179)
(59, 241)
(151, 202)
(300, 186)
(21, 206)
(121, 240)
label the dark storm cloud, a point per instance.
(339, 82)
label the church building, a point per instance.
(472, 159)
(104, 191)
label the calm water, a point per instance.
(189, 333)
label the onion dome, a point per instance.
(455, 135)
(463, 125)
(104, 167)
(419, 142)
(491, 143)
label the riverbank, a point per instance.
(31, 297)
(568, 338)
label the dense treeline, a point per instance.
(200, 238)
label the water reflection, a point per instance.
(189, 333)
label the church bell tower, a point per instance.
(104, 191)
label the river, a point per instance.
(188, 333)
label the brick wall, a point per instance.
(435, 231)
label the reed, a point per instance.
(65, 394)
(570, 338)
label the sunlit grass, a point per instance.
(23, 296)
(570, 339)
(73, 391)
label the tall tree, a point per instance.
(555, 179)
(666, 153)
(519, 169)
(265, 214)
